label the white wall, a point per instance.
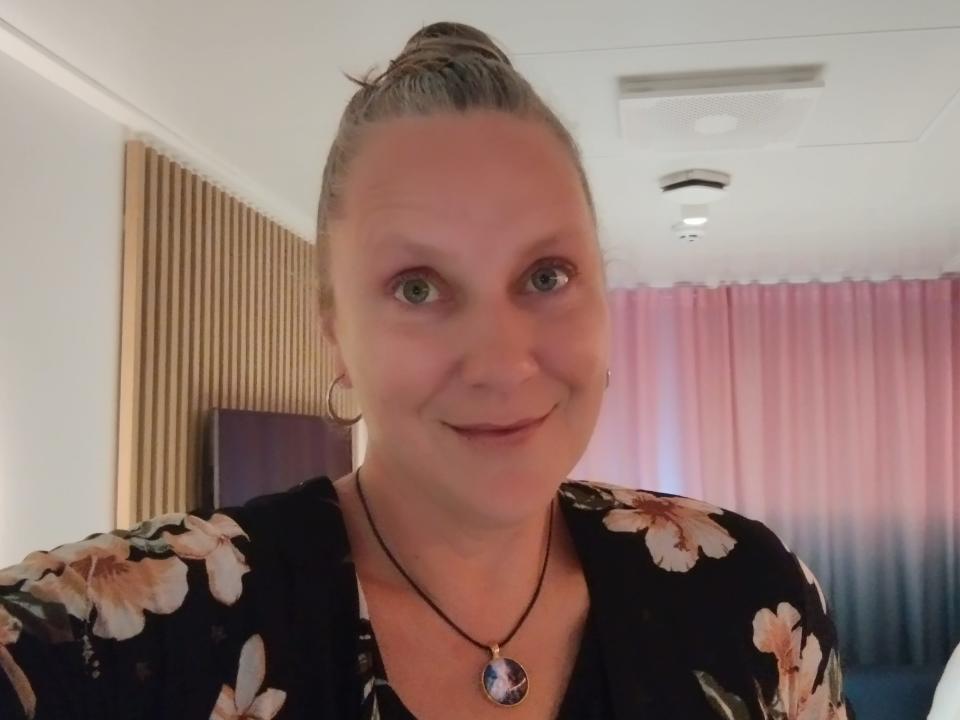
(61, 204)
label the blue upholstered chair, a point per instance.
(891, 693)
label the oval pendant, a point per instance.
(504, 681)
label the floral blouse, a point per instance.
(255, 613)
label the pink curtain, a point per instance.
(829, 411)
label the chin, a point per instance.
(505, 496)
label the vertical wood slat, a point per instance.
(261, 312)
(273, 327)
(162, 321)
(292, 322)
(298, 398)
(278, 313)
(307, 299)
(219, 310)
(216, 300)
(246, 354)
(318, 372)
(310, 368)
(292, 241)
(313, 371)
(239, 311)
(288, 319)
(192, 460)
(281, 318)
(255, 325)
(227, 354)
(223, 341)
(128, 416)
(168, 483)
(267, 314)
(184, 326)
(149, 377)
(233, 240)
(287, 333)
(206, 371)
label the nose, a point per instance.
(499, 347)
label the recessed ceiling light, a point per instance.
(693, 189)
(694, 214)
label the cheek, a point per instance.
(398, 369)
(579, 358)
(575, 348)
(391, 363)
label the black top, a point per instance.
(255, 612)
(586, 697)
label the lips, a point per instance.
(514, 429)
(490, 427)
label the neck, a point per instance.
(446, 549)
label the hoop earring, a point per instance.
(331, 413)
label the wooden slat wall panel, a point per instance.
(219, 310)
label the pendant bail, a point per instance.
(495, 651)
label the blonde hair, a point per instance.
(444, 67)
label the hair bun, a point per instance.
(452, 39)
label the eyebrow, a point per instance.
(408, 245)
(402, 243)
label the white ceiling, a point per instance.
(872, 191)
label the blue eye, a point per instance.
(415, 291)
(547, 278)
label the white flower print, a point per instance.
(244, 703)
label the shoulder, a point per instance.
(680, 533)
(739, 605)
(706, 560)
(112, 578)
(306, 516)
(266, 522)
(89, 605)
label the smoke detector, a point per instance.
(695, 187)
(688, 233)
(694, 190)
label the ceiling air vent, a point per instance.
(763, 108)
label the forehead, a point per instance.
(479, 168)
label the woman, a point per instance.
(456, 574)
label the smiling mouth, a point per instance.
(494, 431)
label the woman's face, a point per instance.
(469, 307)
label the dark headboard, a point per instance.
(251, 453)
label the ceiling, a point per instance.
(872, 190)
